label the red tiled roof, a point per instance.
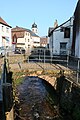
(43, 40)
(3, 22)
(21, 29)
(18, 29)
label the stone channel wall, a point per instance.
(68, 94)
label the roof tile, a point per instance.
(3, 22)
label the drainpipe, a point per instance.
(71, 33)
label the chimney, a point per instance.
(55, 24)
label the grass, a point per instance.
(18, 77)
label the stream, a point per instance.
(38, 101)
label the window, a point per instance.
(28, 46)
(67, 33)
(36, 42)
(63, 45)
(2, 28)
(28, 40)
(63, 48)
(25, 39)
(7, 29)
(62, 29)
(14, 38)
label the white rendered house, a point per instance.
(5, 34)
(76, 32)
(60, 38)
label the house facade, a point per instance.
(24, 38)
(44, 41)
(5, 34)
(76, 32)
(21, 38)
(36, 41)
(60, 38)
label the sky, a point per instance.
(24, 13)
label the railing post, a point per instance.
(28, 59)
(3, 82)
(78, 71)
(39, 57)
(51, 58)
(67, 58)
(44, 56)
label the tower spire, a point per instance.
(34, 28)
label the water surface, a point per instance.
(36, 101)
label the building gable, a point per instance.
(3, 22)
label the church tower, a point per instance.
(34, 28)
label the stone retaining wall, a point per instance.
(69, 97)
(68, 94)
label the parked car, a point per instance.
(19, 50)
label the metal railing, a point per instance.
(45, 60)
(74, 64)
(41, 58)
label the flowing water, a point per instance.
(36, 102)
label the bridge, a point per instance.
(49, 71)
